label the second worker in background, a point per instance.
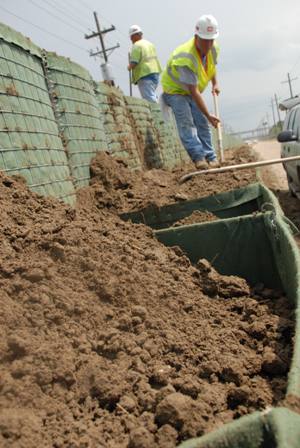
(189, 70)
(144, 64)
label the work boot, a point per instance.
(201, 165)
(214, 164)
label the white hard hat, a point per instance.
(134, 29)
(207, 27)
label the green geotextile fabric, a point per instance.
(275, 428)
(11, 36)
(259, 248)
(252, 198)
(30, 144)
(77, 114)
(118, 125)
(238, 246)
(148, 135)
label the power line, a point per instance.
(55, 16)
(87, 6)
(73, 8)
(101, 16)
(72, 5)
(65, 11)
(43, 29)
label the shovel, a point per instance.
(219, 129)
(242, 166)
(130, 77)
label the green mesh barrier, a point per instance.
(29, 138)
(150, 151)
(120, 133)
(77, 114)
(11, 36)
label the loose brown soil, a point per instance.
(110, 339)
(115, 187)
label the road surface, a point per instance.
(274, 175)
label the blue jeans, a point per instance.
(193, 127)
(147, 87)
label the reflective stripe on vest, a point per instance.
(180, 55)
(187, 55)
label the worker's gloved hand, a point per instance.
(216, 90)
(214, 121)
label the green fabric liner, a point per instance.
(242, 201)
(238, 246)
(14, 37)
(276, 428)
(260, 248)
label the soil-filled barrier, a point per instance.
(30, 143)
(77, 113)
(241, 201)
(55, 118)
(122, 140)
(261, 249)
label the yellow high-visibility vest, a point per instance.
(187, 55)
(144, 53)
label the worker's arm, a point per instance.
(197, 97)
(135, 57)
(215, 86)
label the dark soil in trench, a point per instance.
(110, 339)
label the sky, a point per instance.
(259, 43)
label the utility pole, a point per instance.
(268, 125)
(277, 107)
(289, 81)
(106, 67)
(273, 113)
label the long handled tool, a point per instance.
(130, 77)
(242, 166)
(219, 129)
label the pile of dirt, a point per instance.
(196, 218)
(114, 186)
(110, 339)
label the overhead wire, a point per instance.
(43, 29)
(66, 11)
(74, 9)
(55, 16)
(121, 55)
(109, 22)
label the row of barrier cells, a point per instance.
(30, 144)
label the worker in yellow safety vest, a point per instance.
(189, 70)
(144, 64)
